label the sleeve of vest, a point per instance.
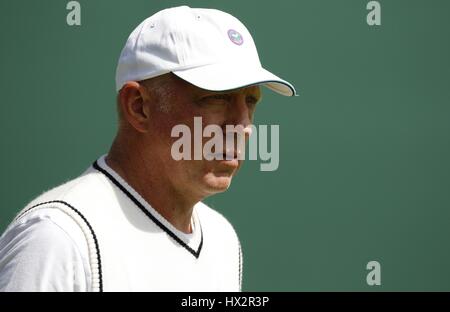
(38, 255)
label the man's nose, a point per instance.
(239, 113)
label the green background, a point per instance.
(364, 150)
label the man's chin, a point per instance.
(217, 183)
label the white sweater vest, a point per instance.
(133, 248)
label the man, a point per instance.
(134, 220)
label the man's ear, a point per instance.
(132, 100)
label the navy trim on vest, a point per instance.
(196, 254)
(240, 267)
(97, 249)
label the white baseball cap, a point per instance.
(208, 48)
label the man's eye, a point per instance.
(216, 98)
(219, 97)
(251, 99)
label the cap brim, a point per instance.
(222, 77)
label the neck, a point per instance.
(146, 179)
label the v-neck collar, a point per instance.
(192, 243)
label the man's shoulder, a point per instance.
(48, 243)
(47, 225)
(60, 203)
(85, 185)
(50, 226)
(49, 211)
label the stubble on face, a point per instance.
(184, 101)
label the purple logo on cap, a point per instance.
(235, 37)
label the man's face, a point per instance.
(185, 101)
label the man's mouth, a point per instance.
(230, 156)
(225, 156)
